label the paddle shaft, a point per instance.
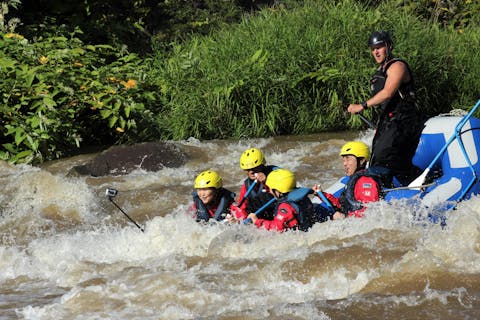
(247, 193)
(248, 220)
(370, 124)
(324, 199)
(408, 187)
(421, 179)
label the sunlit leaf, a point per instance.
(19, 136)
(112, 121)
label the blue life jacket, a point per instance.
(225, 199)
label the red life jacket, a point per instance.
(362, 188)
(366, 190)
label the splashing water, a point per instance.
(67, 253)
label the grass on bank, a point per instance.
(288, 70)
(294, 71)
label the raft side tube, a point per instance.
(459, 165)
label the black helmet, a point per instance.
(380, 37)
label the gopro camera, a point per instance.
(111, 192)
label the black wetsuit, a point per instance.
(398, 128)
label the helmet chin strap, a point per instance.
(388, 52)
(360, 165)
(277, 194)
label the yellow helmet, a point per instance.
(282, 180)
(251, 158)
(208, 179)
(355, 148)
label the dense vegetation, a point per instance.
(88, 75)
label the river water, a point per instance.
(66, 252)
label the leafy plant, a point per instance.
(59, 94)
(291, 68)
(8, 25)
(294, 70)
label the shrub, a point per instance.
(58, 93)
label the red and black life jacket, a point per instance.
(363, 187)
(299, 200)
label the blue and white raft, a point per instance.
(449, 147)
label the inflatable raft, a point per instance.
(448, 154)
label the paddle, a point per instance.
(247, 193)
(248, 220)
(408, 187)
(325, 200)
(370, 124)
(110, 193)
(421, 178)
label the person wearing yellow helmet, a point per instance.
(362, 186)
(293, 209)
(254, 193)
(210, 199)
(355, 155)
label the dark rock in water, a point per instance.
(118, 160)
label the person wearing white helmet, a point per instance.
(399, 125)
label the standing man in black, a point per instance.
(399, 125)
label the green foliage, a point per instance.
(259, 78)
(294, 71)
(58, 93)
(8, 24)
(457, 14)
(135, 24)
(291, 68)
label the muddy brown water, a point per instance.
(67, 253)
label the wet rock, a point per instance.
(118, 160)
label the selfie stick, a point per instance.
(110, 193)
